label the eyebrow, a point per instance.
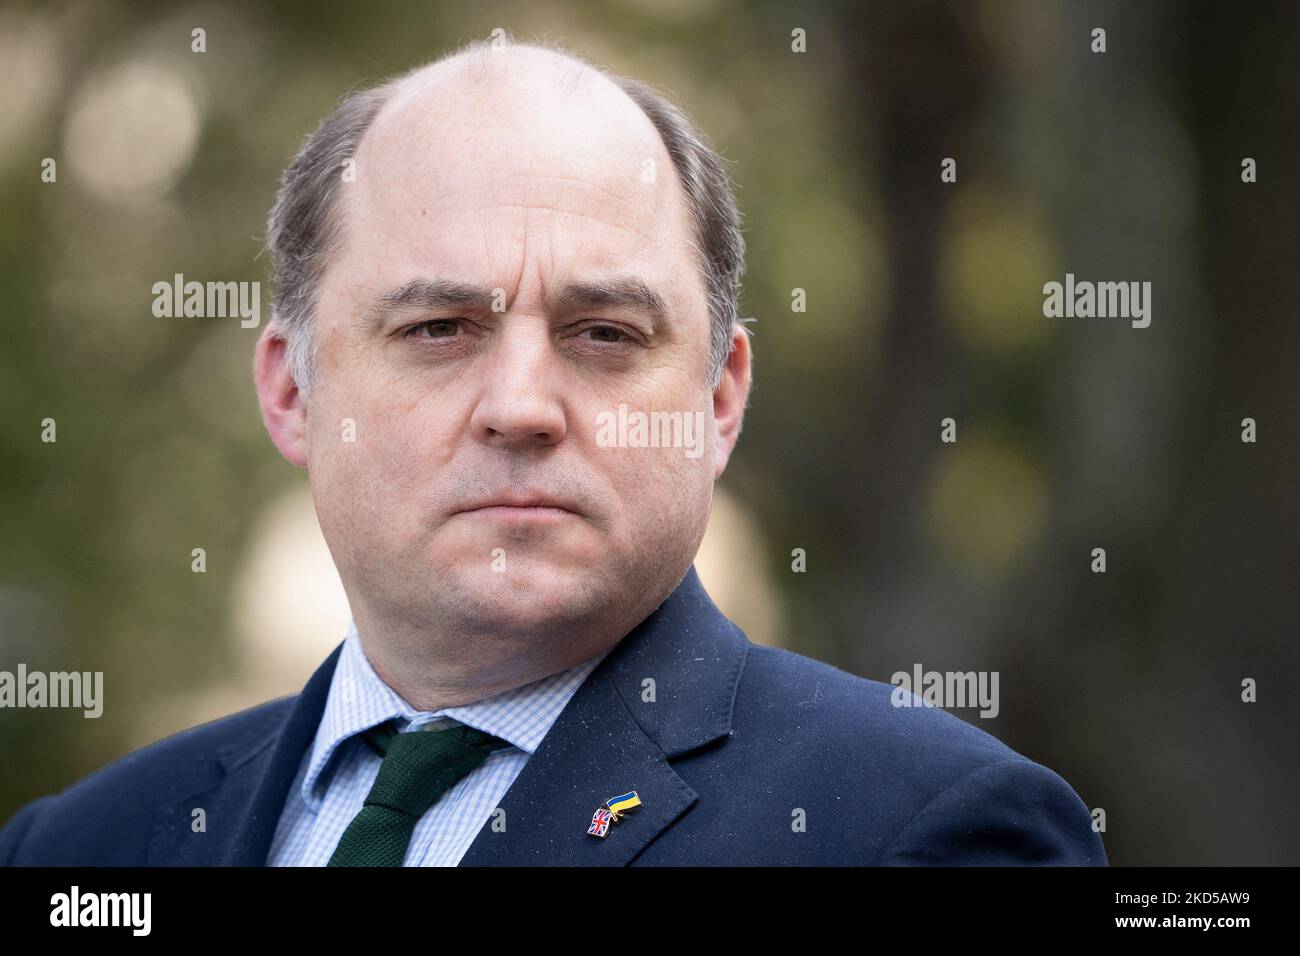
(620, 292)
(430, 294)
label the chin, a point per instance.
(530, 593)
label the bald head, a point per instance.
(480, 65)
(498, 110)
(514, 105)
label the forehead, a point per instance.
(469, 170)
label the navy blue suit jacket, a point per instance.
(746, 755)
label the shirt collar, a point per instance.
(360, 699)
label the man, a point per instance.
(478, 266)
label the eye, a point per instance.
(435, 329)
(607, 333)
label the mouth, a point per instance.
(529, 509)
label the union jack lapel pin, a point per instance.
(599, 823)
(612, 811)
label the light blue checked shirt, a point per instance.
(339, 769)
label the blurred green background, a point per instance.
(924, 302)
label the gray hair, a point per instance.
(303, 230)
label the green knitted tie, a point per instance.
(418, 768)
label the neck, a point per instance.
(432, 668)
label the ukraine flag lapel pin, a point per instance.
(612, 811)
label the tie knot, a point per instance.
(457, 735)
(420, 766)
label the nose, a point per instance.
(520, 403)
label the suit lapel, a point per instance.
(242, 810)
(594, 751)
(668, 688)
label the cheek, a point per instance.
(361, 456)
(373, 427)
(664, 494)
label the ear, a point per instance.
(283, 410)
(730, 398)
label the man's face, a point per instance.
(476, 493)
